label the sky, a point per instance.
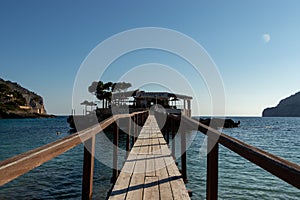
(255, 46)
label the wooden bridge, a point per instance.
(150, 171)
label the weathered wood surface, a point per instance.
(150, 171)
(283, 169)
(16, 166)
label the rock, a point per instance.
(18, 102)
(288, 107)
(220, 123)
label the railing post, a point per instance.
(115, 152)
(88, 169)
(212, 169)
(167, 130)
(133, 132)
(136, 127)
(173, 138)
(183, 157)
(128, 137)
(142, 121)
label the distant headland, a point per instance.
(288, 107)
(18, 102)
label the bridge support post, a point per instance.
(143, 119)
(115, 152)
(132, 129)
(183, 157)
(88, 169)
(173, 138)
(212, 169)
(167, 130)
(128, 137)
(138, 119)
(135, 128)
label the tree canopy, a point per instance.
(103, 91)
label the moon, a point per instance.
(266, 37)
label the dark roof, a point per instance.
(143, 94)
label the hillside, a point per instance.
(288, 107)
(18, 102)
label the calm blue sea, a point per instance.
(60, 178)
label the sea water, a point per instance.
(61, 177)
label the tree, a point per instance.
(121, 86)
(93, 87)
(97, 88)
(4, 89)
(108, 88)
(103, 91)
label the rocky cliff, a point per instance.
(18, 102)
(288, 107)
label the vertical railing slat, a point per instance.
(115, 152)
(88, 169)
(167, 131)
(128, 137)
(173, 138)
(212, 169)
(183, 157)
(132, 132)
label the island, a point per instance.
(288, 107)
(18, 102)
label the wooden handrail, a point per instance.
(283, 169)
(16, 166)
(12, 168)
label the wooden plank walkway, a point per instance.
(150, 171)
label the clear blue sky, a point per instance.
(255, 44)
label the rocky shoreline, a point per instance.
(22, 115)
(17, 102)
(288, 107)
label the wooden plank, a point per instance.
(121, 186)
(145, 143)
(136, 186)
(136, 147)
(156, 148)
(162, 174)
(150, 165)
(151, 190)
(178, 188)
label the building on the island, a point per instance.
(171, 102)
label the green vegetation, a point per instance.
(10, 99)
(19, 102)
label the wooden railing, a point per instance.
(283, 169)
(18, 165)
